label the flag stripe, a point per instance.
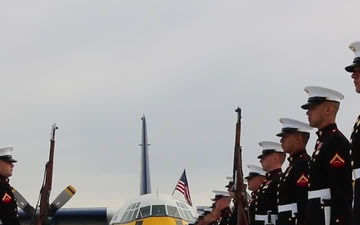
(183, 187)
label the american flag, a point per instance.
(183, 187)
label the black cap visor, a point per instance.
(265, 153)
(8, 158)
(268, 152)
(287, 130)
(230, 184)
(351, 68)
(313, 101)
(252, 175)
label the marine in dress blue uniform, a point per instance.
(200, 219)
(232, 218)
(354, 69)
(330, 192)
(293, 187)
(221, 207)
(254, 179)
(265, 201)
(8, 205)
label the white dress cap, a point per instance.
(270, 147)
(5, 154)
(231, 182)
(255, 171)
(318, 95)
(355, 47)
(291, 125)
(219, 194)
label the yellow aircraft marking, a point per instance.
(156, 220)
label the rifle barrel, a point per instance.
(46, 188)
(239, 191)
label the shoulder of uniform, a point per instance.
(339, 141)
(336, 133)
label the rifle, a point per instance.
(239, 191)
(46, 188)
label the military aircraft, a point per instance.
(153, 208)
(147, 209)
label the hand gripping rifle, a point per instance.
(46, 188)
(239, 191)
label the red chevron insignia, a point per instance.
(302, 181)
(337, 161)
(6, 198)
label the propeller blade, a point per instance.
(61, 199)
(23, 204)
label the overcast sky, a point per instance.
(95, 67)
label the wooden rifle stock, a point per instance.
(239, 191)
(46, 188)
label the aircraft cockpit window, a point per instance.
(133, 206)
(183, 205)
(124, 217)
(188, 215)
(172, 211)
(129, 216)
(178, 204)
(158, 210)
(144, 212)
(182, 214)
(135, 214)
(130, 206)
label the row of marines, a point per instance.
(321, 189)
(314, 190)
